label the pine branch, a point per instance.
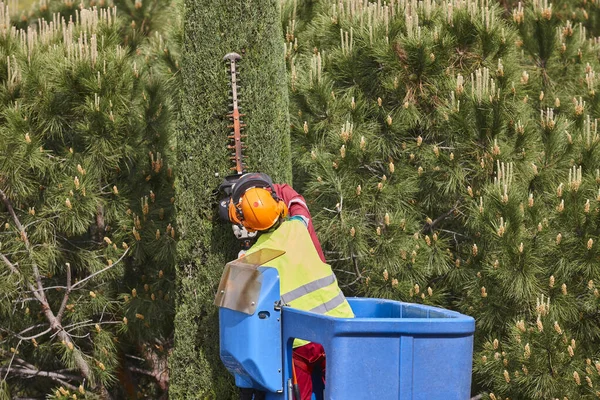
(33, 372)
(39, 293)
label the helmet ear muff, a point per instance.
(282, 208)
(235, 214)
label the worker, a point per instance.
(281, 217)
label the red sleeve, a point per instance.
(297, 207)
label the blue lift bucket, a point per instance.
(390, 350)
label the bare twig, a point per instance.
(12, 359)
(65, 299)
(429, 227)
(101, 271)
(13, 268)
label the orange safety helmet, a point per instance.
(254, 203)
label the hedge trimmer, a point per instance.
(237, 125)
(236, 147)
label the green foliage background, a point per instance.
(449, 154)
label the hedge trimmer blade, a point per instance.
(237, 125)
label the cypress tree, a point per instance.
(213, 29)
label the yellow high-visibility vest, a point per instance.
(305, 282)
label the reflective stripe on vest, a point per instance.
(330, 305)
(305, 289)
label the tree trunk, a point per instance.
(214, 28)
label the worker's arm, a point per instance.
(297, 207)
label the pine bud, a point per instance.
(358, 190)
(92, 294)
(571, 352)
(557, 103)
(495, 343)
(483, 292)
(586, 207)
(420, 171)
(451, 156)
(496, 264)
(98, 329)
(378, 231)
(563, 289)
(417, 288)
(483, 359)
(521, 247)
(379, 101)
(160, 274)
(134, 292)
(551, 281)
(391, 167)
(590, 243)
(557, 328)
(68, 203)
(343, 151)
(521, 326)
(429, 291)
(125, 320)
(101, 366)
(389, 120)
(139, 316)
(107, 240)
(70, 345)
(353, 104)
(81, 389)
(576, 377)
(380, 186)
(506, 376)
(561, 206)
(493, 396)
(419, 141)
(394, 282)
(146, 287)
(27, 138)
(363, 143)
(305, 127)
(76, 182)
(80, 169)
(470, 191)
(427, 240)
(539, 324)
(385, 274)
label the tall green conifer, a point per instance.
(213, 29)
